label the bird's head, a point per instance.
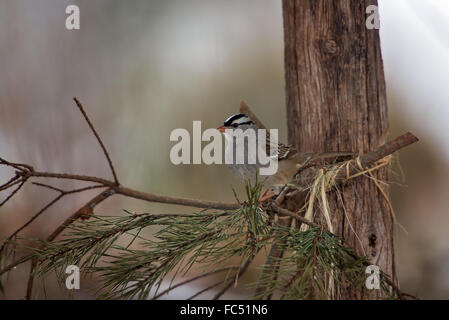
(237, 121)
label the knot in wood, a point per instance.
(330, 46)
(372, 240)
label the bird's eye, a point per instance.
(235, 125)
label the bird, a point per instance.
(288, 158)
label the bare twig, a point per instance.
(18, 166)
(22, 182)
(9, 183)
(118, 189)
(44, 185)
(111, 166)
(176, 200)
(67, 176)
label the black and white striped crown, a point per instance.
(237, 120)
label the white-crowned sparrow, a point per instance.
(289, 159)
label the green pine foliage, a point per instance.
(315, 263)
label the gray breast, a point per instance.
(248, 169)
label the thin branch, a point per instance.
(18, 166)
(176, 200)
(111, 166)
(46, 207)
(388, 148)
(293, 279)
(194, 279)
(85, 210)
(67, 192)
(30, 280)
(216, 284)
(138, 194)
(47, 186)
(15, 264)
(14, 192)
(51, 237)
(177, 215)
(30, 220)
(67, 176)
(232, 281)
(7, 185)
(40, 212)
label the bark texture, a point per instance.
(336, 101)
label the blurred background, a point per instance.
(144, 68)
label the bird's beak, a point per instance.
(221, 129)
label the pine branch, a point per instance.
(244, 237)
(132, 273)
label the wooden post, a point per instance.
(336, 101)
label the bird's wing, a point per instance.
(284, 151)
(280, 150)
